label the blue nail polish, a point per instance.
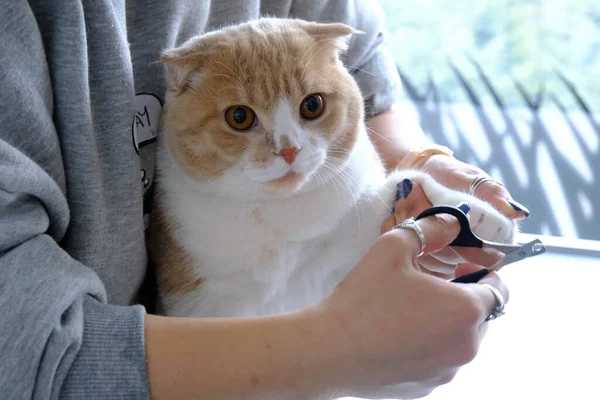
(403, 189)
(518, 207)
(406, 187)
(464, 207)
(398, 191)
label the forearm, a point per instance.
(287, 356)
(394, 135)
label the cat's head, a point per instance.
(262, 109)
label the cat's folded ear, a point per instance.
(337, 33)
(184, 61)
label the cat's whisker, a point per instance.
(227, 67)
(338, 149)
(383, 202)
(308, 63)
(349, 182)
(329, 176)
(319, 179)
(338, 163)
(227, 87)
(352, 183)
(314, 72)
(225, 175)
(234, 77)
(346, 85)
(342, 163)
(360, 69)
(371, 131)
(307, 52)
(231, 78)
(248, 192)
(237, 63)
(340, 92)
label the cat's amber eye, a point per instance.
(240, 118)
(312, 106)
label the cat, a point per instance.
(268, 188)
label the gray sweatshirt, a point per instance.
(80, 101)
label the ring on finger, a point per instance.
(477, 181)
(413, 226)
(498, 309)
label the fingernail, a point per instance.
(403, 189)
(464, 207)
(518, 207)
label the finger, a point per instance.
(439, 231)
(448, 256)
(459, 175)
(497, 195)
(424, 270)
(411, 200)
(388, 224)
(486, 257)
(492, 278)
(431, 264)
(465, 269)
(486, 296)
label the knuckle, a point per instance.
(470, 311)
(463, 352)
(447, 223)
(468, 353)
(393, 241)
(446, 378)
(495, 280)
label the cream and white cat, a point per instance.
(269, 189)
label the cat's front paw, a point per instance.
(486, 222)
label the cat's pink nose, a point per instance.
(289, 154)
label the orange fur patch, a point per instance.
(174, 267)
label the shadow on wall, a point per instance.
(548, 157)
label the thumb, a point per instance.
(464, 269)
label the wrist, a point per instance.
(323, 353)
(417, 157)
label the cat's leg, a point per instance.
(486, 221)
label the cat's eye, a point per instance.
(312, 106)
(240, 118)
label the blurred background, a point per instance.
(512, 86)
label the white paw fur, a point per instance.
(486, 222)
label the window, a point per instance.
(512, 86)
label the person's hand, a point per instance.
(404, 332)
(444, 261)
(458, 175)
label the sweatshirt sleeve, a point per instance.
(367, 59)
(58, 336)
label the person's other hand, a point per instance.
(402, 332)
(458, 175)
(442, 262)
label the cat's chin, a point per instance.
(286, 185)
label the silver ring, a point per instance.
(478, 181)
(413, 226)
(498, 310)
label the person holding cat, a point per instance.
(83, 96)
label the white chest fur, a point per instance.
(260, 257)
